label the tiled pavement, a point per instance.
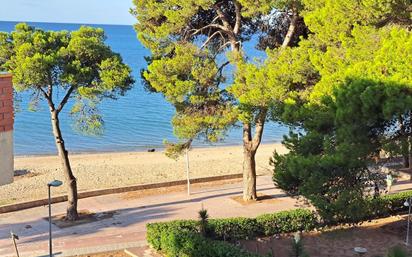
(126, 229)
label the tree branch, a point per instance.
(292, 26)
(260, 122)
(213, 25)
(223, 18)
(247, 134)
(211, 37)
(291, 30)
(65, 99)
(236, 28)
(48, 98)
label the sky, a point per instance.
(68, 11)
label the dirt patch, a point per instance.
(84, 217)
(262, 198)
(376, 236)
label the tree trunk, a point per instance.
(71, 213)
(405, 160)
(249, 175)
(291, 30)
(250, 146)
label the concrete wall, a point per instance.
(6, 129)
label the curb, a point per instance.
(108, 191)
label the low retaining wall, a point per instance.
(108, 191)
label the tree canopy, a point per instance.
(58, 66)
(198, 63)
(359, 105)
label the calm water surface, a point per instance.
(137, 121)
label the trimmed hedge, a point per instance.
(287, 221)
(181, 238)
(175, 243)
(233, 229)
(155, 230)
(388, 204)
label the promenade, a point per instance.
(128, 214)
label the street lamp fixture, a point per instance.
(54, 183)
(408, 203)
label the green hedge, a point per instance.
(287, 221)
(181, 238)
(233, 229)
(388, 204)
(155, 230)
(175, 243)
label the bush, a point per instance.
(287, 221)
(185, 243)
(388, 204)
(182, 238)
(233, 229)
(155, 231)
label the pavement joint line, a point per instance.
(102, 249)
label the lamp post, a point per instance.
(54, 183)
(407, 203)
(187, 171)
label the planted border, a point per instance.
(182, 238)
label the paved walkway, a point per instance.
(126, 229)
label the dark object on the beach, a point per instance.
(151, 150)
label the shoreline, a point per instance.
(158, 150)
(119, 169)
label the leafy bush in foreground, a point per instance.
(182, 238)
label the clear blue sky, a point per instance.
(67, 11)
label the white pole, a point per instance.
(187, 171)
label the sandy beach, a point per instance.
(107, 170)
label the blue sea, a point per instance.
(135, 122)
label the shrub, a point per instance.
(203, 222)
(175, 243)
(154, 230)
(287, 221)
(394, 203)
(397, 251)
(182, 238)
(233, 229)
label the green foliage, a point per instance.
(154, 230)
(77, 64)
(287, 221)
(179, 244)
(211, 85)
(233, 229)
(331, 21)
(190, 81)
(359, 103)
(203, 222)
(387, 205)
(284, 76)
(397, 251)
(183, 238)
